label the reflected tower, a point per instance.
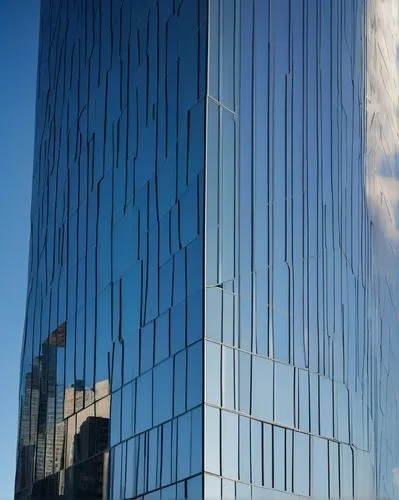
(212, 303)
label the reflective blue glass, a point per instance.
(212, 294)
(119, 187)
(297, 293)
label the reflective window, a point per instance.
(301, 464)
(212, 443)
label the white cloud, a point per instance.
(382, 169)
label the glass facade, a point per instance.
(212, 302)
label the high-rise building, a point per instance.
(212, 303)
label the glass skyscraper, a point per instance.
(212, 303)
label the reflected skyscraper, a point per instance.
(212, 303)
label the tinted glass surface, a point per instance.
(258, 137)
(301, 274)
(111, 377)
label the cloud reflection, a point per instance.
(382, 172)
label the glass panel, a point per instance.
(169, 493)
(303, 400)
(256, 452)
(244, 382)
(212, 440)
(262, 388)
(213, 486)
(346, 471)
(214, 313)
(194, 487)
(183, 446)
(333, 467)
(227, 56)
(214, 41)
(229, 445)
(189, 215)
(341, 408)
(128, 410)
(152, 457)
(161, 337)
(289, 458)
(326, 407)
(229, 397)
(228, 488)
(319, 468)
(243, 490)
(166, 454)
(144, 402)
(212, 373)
(279, 458)
(130, 467)
(227, 201)
(196, 445)
(212, 184)
(314, 403)
(116, 414)
(244, 448)
(284, 394)
(147, 347)
(178, 327)
(179, 388)
(163, 391)
(268, 455)
(194, 375)
(301, 464)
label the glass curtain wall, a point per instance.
(301, 322)
(111, 373)
(212, 300)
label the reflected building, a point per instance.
(212, 303)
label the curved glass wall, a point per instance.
(212, 303)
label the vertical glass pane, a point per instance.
(212, 440)
(194, 487)
(326, 407)
(229, 397)
(303, 400)
(268, 455)
(301, 464)
(116, 409)
(213, 487)
(279, 458)
(196, 445)
(180, 381)
(256, 452)
(319, 468)
(244, 449)
(144, 402)
(194, 375)
(163, 391)
(262, 388)
(128, 409)
(333, 467)
(229, 444)
(212, 373)
(346, 471)
(183, 447)
(284, 394)
(244, 382)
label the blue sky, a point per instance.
(19, 26)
